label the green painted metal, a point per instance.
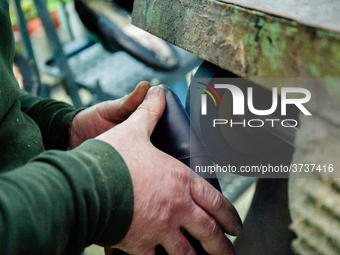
(247, 42)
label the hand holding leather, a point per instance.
(167, 199)
(101, 117)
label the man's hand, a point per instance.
(166, 198)
(101, 117)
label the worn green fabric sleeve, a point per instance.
(53, 118)
(60, 202)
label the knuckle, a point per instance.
(211, 229)
(149, 110)
(197, 188)
(218, 202)
(145, 109)
(181, 175)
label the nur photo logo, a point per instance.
(204, 97)
(298, 97)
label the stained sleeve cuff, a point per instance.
(53, 118)
(115, 192)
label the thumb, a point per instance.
(150, 111)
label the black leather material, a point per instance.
(176, 135)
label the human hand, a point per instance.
(166, 197)
(99, 118)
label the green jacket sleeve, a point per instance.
(53, 202)
(60, 202)
(52, 117)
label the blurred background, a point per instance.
(102, 57)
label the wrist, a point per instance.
(75, 139)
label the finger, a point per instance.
(205, 229)
(217, 205)
(150, 111)
(119, 110)
(177, 244)
(131, 102)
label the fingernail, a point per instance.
(238, 230)
(153, 92)
(138, 85)
(142, 82)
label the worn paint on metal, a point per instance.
(323, 14)
(247, 42)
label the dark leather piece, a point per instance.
(176, 135)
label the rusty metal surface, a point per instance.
(247, 42)
(317, 13)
